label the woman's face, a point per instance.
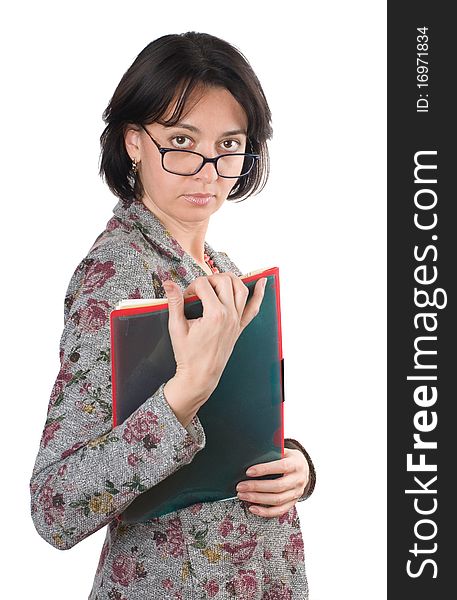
(213, 112)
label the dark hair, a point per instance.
(176, 64)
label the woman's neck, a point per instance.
(191, 237)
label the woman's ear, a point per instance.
(132, 141)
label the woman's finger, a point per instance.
(240, 292)
(287, 464)
(270, 512)
(237, 300)
(212, 295)
(272, 499)
(252, 308)
(273, 486)
(229, 291)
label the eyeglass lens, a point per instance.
(186, 163)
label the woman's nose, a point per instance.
(207, 172)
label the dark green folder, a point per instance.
(243, 417)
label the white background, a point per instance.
(321, 219)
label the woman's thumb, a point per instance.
(175, 302)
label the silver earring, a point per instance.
(134, 166)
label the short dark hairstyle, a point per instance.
(176, 64)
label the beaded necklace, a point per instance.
(210, 264)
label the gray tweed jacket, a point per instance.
(86, 472)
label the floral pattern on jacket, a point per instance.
(87, 472)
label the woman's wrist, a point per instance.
(183, 398)
(294, 444)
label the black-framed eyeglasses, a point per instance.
(188, 162)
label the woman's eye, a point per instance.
(179, 140)
(232, 144)
(182, 141)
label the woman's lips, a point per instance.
(198, 199)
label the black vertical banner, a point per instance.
(422, 306)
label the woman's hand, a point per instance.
(276, 496)
(203, 346)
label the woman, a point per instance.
(197, 93)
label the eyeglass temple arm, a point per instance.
(156, 143)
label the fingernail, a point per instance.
(251, 471)
(264, 282)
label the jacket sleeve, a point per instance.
(293, 444)
(86, 472)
